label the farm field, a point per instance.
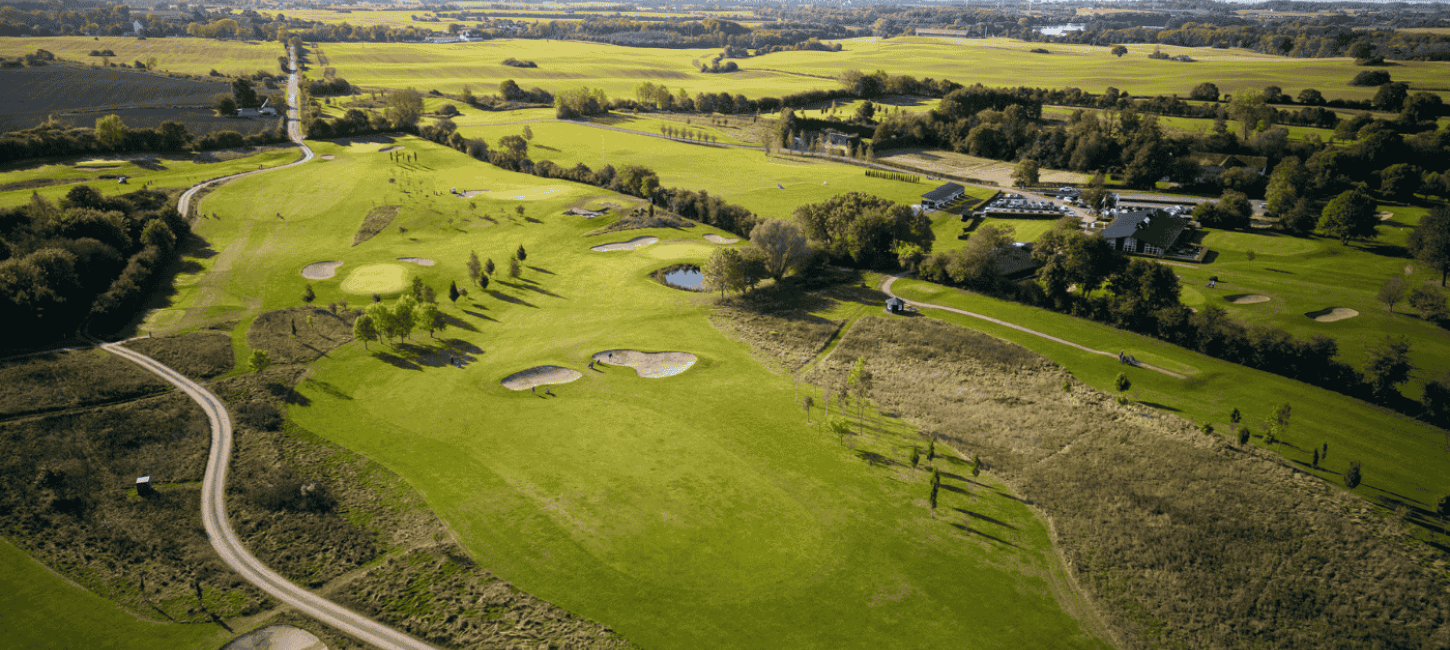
(34, 94)
(732, 527)
(991, 62)
(160, 172)
(1196, 125)
(752, 181)
(1402, 457)
(43, 610)
(197, 56)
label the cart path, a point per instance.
(213, 487)
(886, 288)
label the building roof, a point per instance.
(1151, 226)
(895, 302)
(944, 192)
(1230, 161)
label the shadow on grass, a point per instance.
(454, 321)
(324, 387)
(479, 315)
(1163, 407)
(396, 361)
(510, 299)
(540, 270)
(977, 516)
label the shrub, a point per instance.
(1371, 78)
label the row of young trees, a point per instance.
(415, 310)
(88, 261)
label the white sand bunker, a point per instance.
(328, 156)
(390, 149)
(637, 242)
(320, 270)
(717, 239)
(1331, 314)
(1246, 298)
(1385, 215)
(470, 194)
(420, 261)
(276, 637)
(653, 365)
(540, 376)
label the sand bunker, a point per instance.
(1331, 314)
(717, 239)
(1246, 298)
(328, 156)
(276, 637)
(420, 261)
(390, 149)
(653, 365)
(630, 245)
(320, 270)
(540, 376)
(470, 194)
(1385, 215)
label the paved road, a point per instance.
(886, 288)
(213, 486)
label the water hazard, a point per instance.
(688, 277)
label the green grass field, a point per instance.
(992, 62)
(185, 55)
(162, 173)
(751, 180)
(1402, 457)
(698, 510)
(43, 610)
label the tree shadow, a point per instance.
(533, 288)
(1275, 271)
(510, 299)
(396, 361)
(953, 488)
(478, 315)
(540, 270)
(976, 516)
(1164, 407)
(1402, 497)
(454, 321)
(218, 620)
(1383, 250)
(327, 388)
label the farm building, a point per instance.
(1216, 163)
(895, 305)
(838, 139)
(942, 196)
(1146, 232)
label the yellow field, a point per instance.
(184, 55)
(992, 62)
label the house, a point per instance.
(267, 110)
(895, 305)
(1146, 232)
(1216, 163)
(842, 140)
(942, 196)
(144, 487)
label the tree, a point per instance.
(1429, 301)
(1252, 113)
(1351, 214)
(806, 404)
(1421, 107)
(308, 296)
(429, 317)
(1122, 383)
(1387, 365)
(404, 318)
(782, 245)
(1435, 402)
(364, 329)
(1370, 78)
(243, 92)
(866, 111)
(515, 145)
(1243, 435)
(725, 271)
(488, 266)
(1401, 181)
(1206, 92)
(513, 267)
(1429, 242)
(259, 361)
(404, 107)
(932, 498)
(453, 292)
(1026, 174)
(521, 254)
(915, 456)
(110, 131)
(474, 270)
(1311, 97)
(1284, 185)
(483, 282)
(1352, 477)
(931, 450)
(1392, 291)
(1119, 51)
(976, 465)
(1235, 416)
(1391, 97)
(528, 133)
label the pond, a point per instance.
(1059, 30)
(686, 277)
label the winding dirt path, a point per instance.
(886, 288)
(213, 488)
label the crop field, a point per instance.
(991, 62)
(732, 527)
(34, 94)
(1405, 456)
(770, 186)
(196, 56)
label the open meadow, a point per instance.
(735, 526)
(194, 56)
(991, 62)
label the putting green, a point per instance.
(533, 193)
(679, 251)
(376, 278)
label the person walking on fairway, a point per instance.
(549, 392)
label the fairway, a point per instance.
(695, 508)
(991, 62)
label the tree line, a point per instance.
(111, 135)
(89, 261)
